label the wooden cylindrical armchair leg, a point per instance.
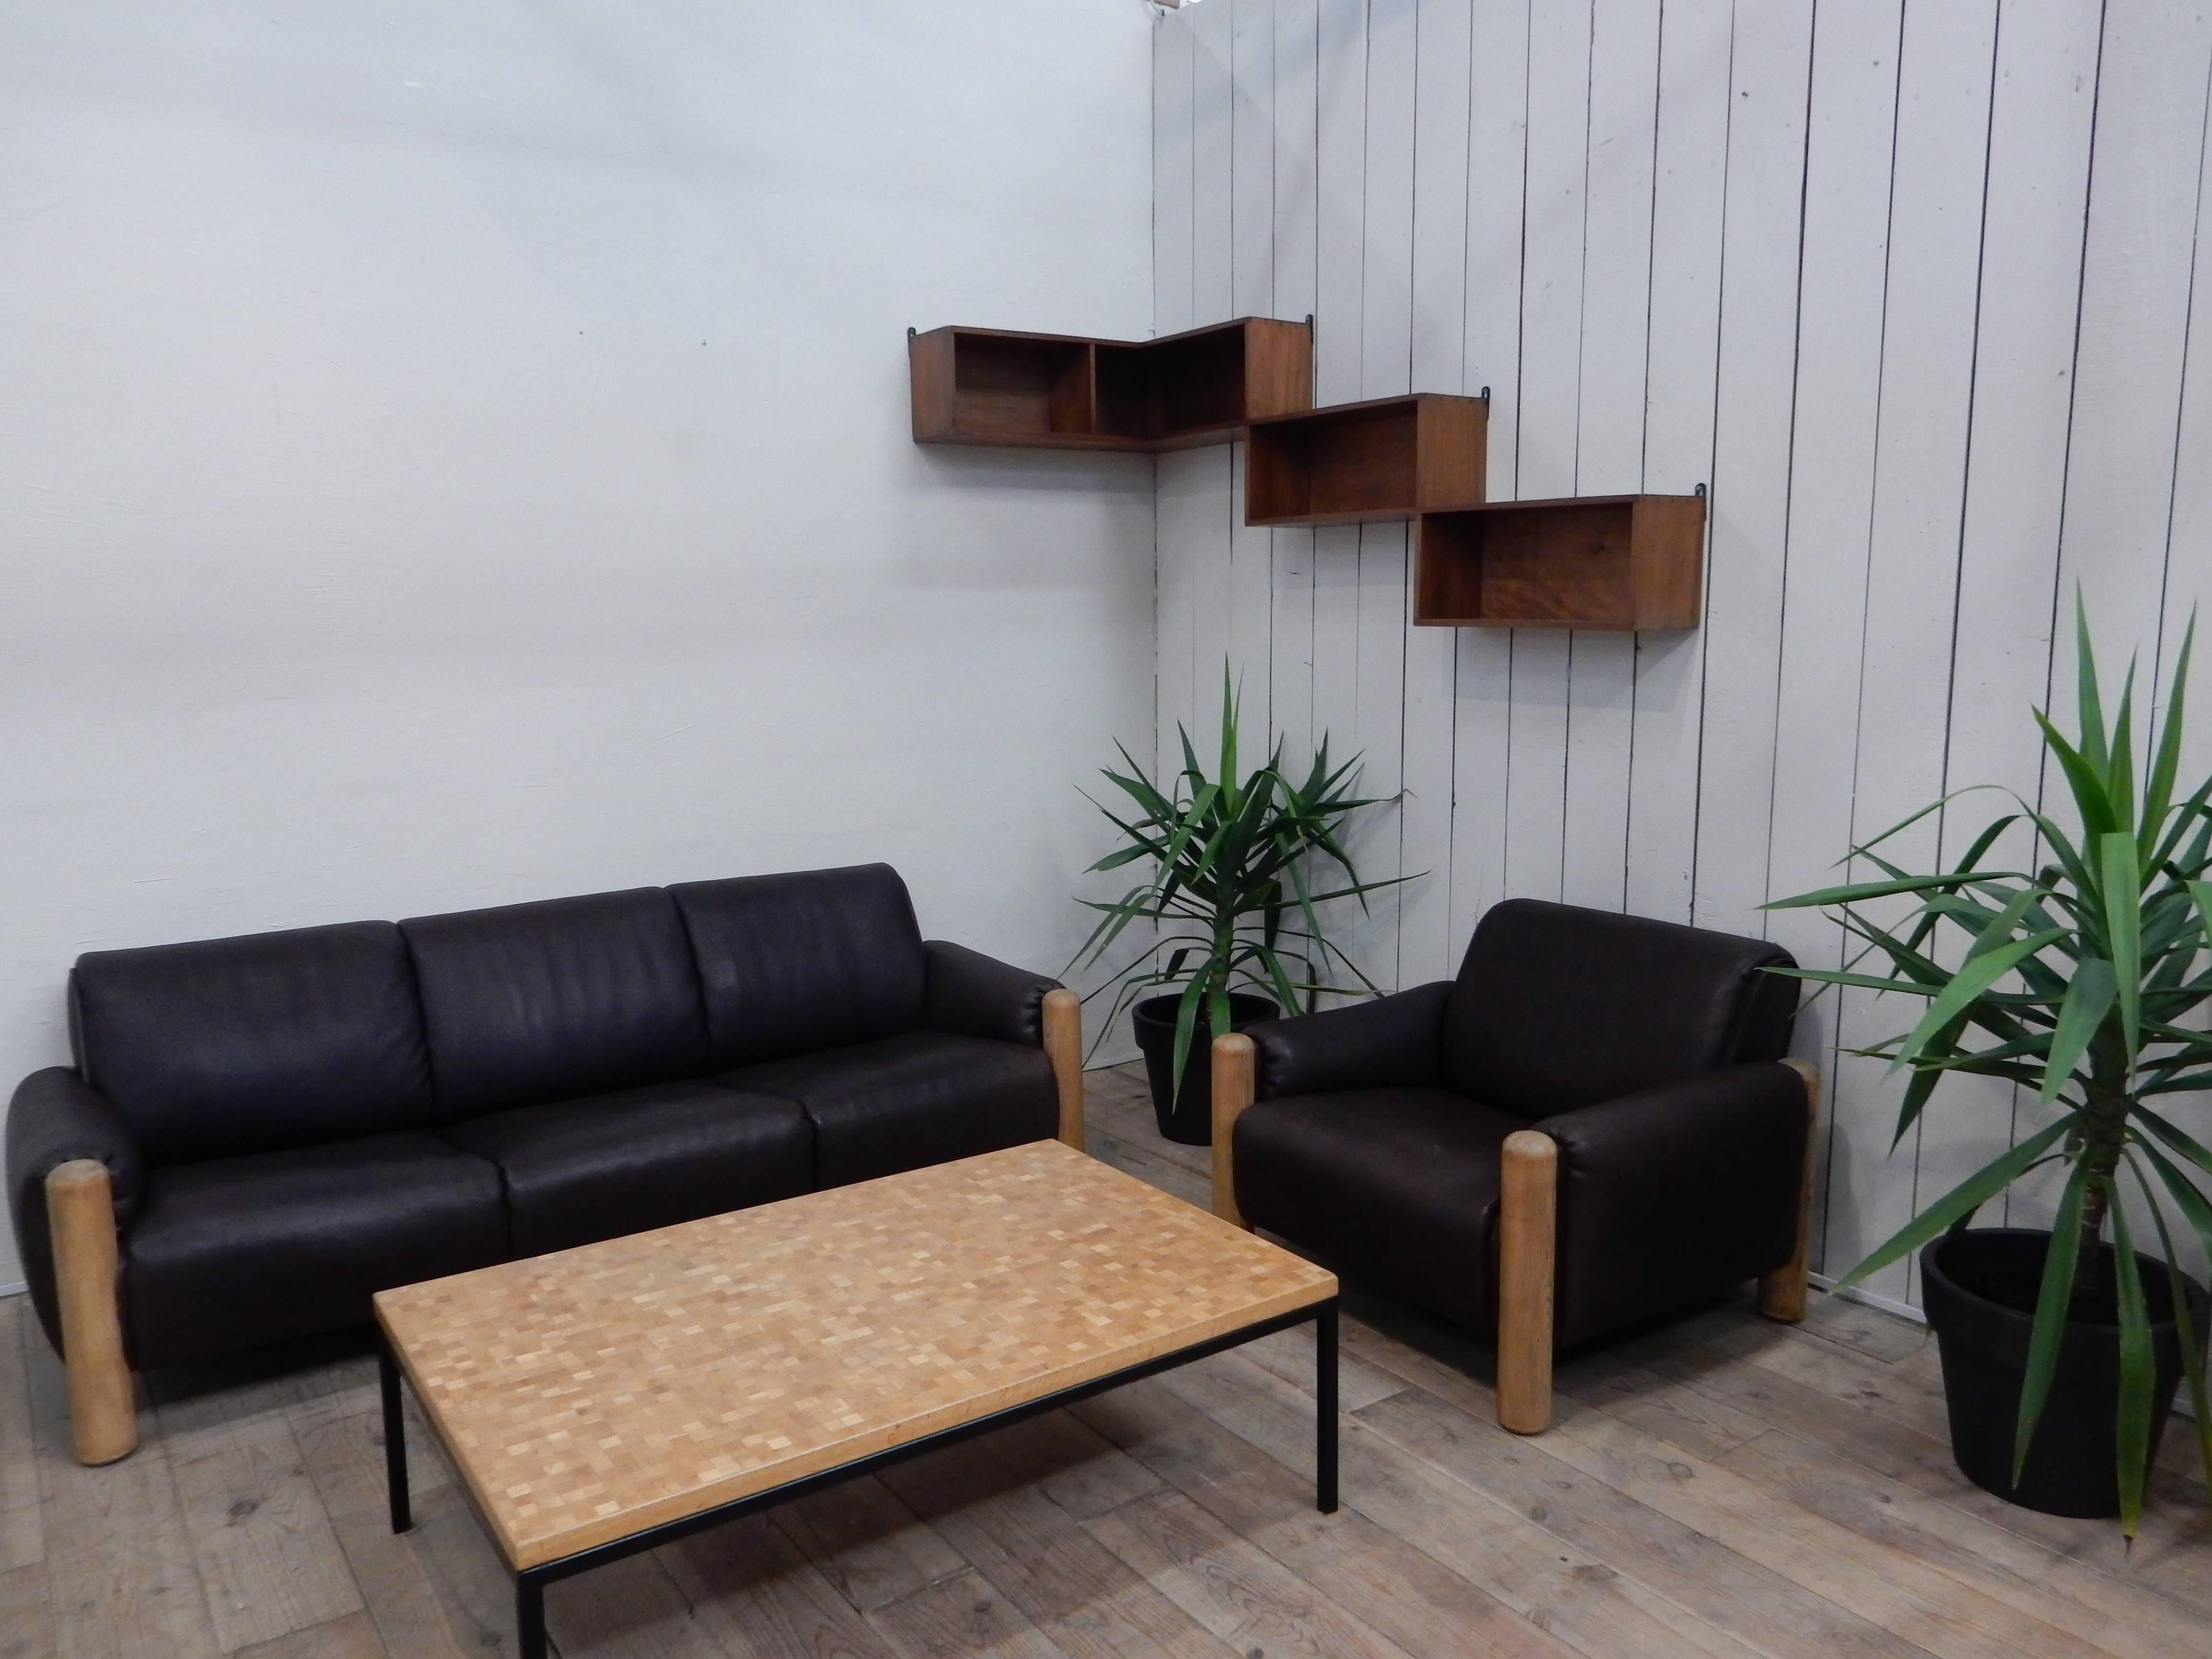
(1232, 1081)
(1528, 1249)
(1782, 1292)
(1063, 1047)
(81, 1218)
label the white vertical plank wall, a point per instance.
(1622, 124)
(1497, 160)
(1927, 360)
(1296, 253)
(1913, 286)
(1436, 361)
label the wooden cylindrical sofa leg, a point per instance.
(1232, 1081)
(1782, 1292)
(81, 1217)
(1528, 1247)
(1063, 1047)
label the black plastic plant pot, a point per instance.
(1187, 1117)
(1980, 1288)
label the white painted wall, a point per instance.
(452, 454)
(1908, 282)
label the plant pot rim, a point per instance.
(1932, 1266)
(1171, 998)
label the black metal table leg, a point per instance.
(1325, 1408)
(529, 1615)
(395, 1436)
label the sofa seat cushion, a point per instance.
(901, 1102)
(234, 1252)
(1398, 1186)
(580, 1170)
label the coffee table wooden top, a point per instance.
(592, 1393)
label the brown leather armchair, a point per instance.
(1592, 1126)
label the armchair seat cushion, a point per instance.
(234, 1252)
(1398, 1186)
(903, 1102)
(580, 1170)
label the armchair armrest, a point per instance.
(74, 1176)
(1678, 1192)
(1393, 1041)
(968, 993)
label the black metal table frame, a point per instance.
(529, 1582)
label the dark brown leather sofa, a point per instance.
(1592, 1126)
(291, 1121)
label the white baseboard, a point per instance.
(1887, 1304)
(13, 1290)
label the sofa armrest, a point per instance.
(57, 1118)
(1678, 1194)
(970, 994)
(76, 1175)
(1393, 1041)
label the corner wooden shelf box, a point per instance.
(1356, 463)
(1609, 562)
(983, 385)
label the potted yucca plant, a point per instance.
(1230, 885)
(2082, 980)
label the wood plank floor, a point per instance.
(1721, 1487)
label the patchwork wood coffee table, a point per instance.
(603, 1400)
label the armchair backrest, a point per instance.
(1558, 1007)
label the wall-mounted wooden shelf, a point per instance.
(1609, 562)
(992, 387)
(1358, 463)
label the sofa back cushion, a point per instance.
(257, 1044)
(806, 960)
(529, 1003)
(1556, 1006)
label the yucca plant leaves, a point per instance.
(2088, 999)
(2123, 928)
(2165, 766)
(2089, 708)
(2186, 1083)
(2085, 780)
(1858, 892)
(2183, 1144)
(1229, 853)
(2119, 766)
(1919, 1091)
(2085, 981)
(2185, 1319)
(2056, 1291)
(1187, 1025)
(1987, 839)
(1975, 975)
(2136, 1365)
(1862, 981)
